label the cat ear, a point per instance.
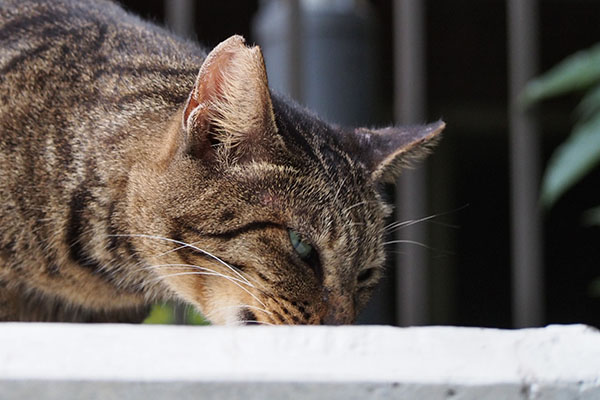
(385, 152)
(229, 109)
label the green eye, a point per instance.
(302, 247)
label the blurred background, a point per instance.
(487, 253)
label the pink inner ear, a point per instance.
(209, 84)
(191, 106)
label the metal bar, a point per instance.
(179, 16)
(527, 274)
(295, 53)
(411, 194)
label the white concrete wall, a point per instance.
(68, 361)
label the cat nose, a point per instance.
(337, 316)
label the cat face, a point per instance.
(265, 213)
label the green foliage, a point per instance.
(195, 318)
(580, 152)
(577, 72)
(165, 314)
(574, 158)
(161, 314)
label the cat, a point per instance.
(136, 168)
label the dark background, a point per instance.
(467, 87)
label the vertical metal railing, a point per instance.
(179, 17)
(411, 194)
(527, 281)
(296, 74)
(527, 275)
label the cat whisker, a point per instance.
(408, 242)
(337, 193)
(403, 224)
(244, 322)
(254, 308)
(176, 249)
(183, 266)
(360, 203)
(247, 277)
(234, 270)
(436, 251)
(209, 315)
(260, 285)
(210, 274)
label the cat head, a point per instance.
(267, 214)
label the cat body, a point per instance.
(134, 168)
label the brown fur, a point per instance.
(126, 177)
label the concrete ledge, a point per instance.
(69, 361)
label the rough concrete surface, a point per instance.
(72, 361)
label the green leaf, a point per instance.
(161, 314)
(576, 72)
(592, 216)
(572, 160)
(590, 104)
(195, 318)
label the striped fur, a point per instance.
(124, 173)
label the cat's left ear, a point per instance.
(385, 152)
(229, 112)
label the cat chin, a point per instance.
(229, 315)
(230, 319)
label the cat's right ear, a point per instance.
(229, 113)
(386, 152)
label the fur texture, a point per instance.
(127, 177)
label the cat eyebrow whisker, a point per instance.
(184, 244)
(360, 203)
(337, 193)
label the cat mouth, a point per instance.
(247, 317)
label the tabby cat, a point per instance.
(128, 177)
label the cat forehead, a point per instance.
(313, 143)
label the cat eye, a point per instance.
(300, 245)
(365, 275)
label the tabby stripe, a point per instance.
(17, 25)
(252, 226)
(74, 238)
(113, 243)
(187, 252)
(166, 95)
(291, 131)
(75, 230)
(29, 54)
(142, 70)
